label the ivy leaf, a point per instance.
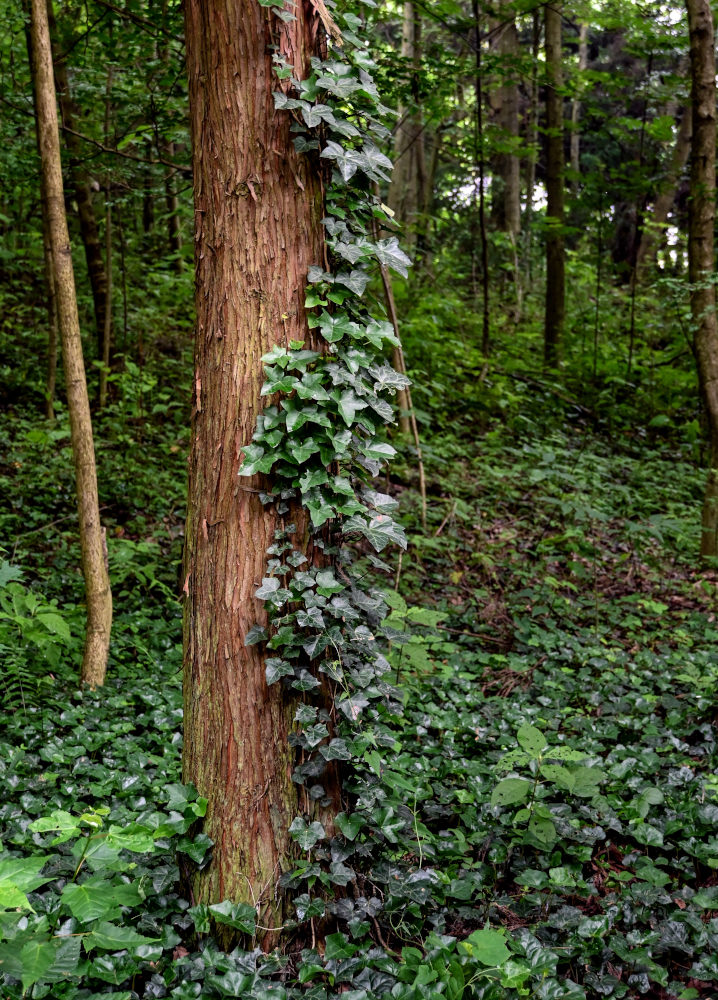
(349, 824)
(348, 403)
(255, 635)
(311, 387)
(378, 331)
(302, 451)
(270, 585)
(356, 280)
(337, 749)
(334, 328)
(312, 618)
(315, 114)
(276, 668)
(304, 835)
(241, 916)
(389, 253)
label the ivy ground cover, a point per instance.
(535, 816)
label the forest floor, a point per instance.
(553, 767)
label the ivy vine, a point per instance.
(322, 446)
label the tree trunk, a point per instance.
(575, 151)
(665, 196)
(258, 206)
(701, 254)
(51, 375)
(504, 102)
(531, 142)
(97, 585)
(81, 189)
(407, 190)
(555, 276)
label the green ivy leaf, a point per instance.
(241, 916)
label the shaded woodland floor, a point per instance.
(554, 758)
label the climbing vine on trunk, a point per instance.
(319, 442)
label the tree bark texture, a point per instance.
(407, 191)
(51, 376)
(258, 206)
(665, 196)
(701, 254)
(97, 584)
(555, 265)
(82, 191)
(504, 104)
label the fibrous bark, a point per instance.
(555, 276)
(258, 206)
(700, 244)
(97, 585)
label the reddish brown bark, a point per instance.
(258, 207)
(701, 254)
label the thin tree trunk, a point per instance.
(81, 188)
(504, 103)
(665, 196)
(575, 147)
(408, 183)
(107, 330)
(51, 374)
(480, 165)
(258, 207)
(531, 142)
(701, 254)
(555, 265)
(97, 585)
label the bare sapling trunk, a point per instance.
(258, 210)
(701, 255)
(89, 231)
(97, 585)
(575, 141)
(555, 263)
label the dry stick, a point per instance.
(399, 356)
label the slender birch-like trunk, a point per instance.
(97, 585)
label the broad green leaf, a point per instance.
(114, 937)
(12, 898)
(349, 824)
(37, 957)
(242, 916)
(510, 791)
(531, 739)
(488, 947)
